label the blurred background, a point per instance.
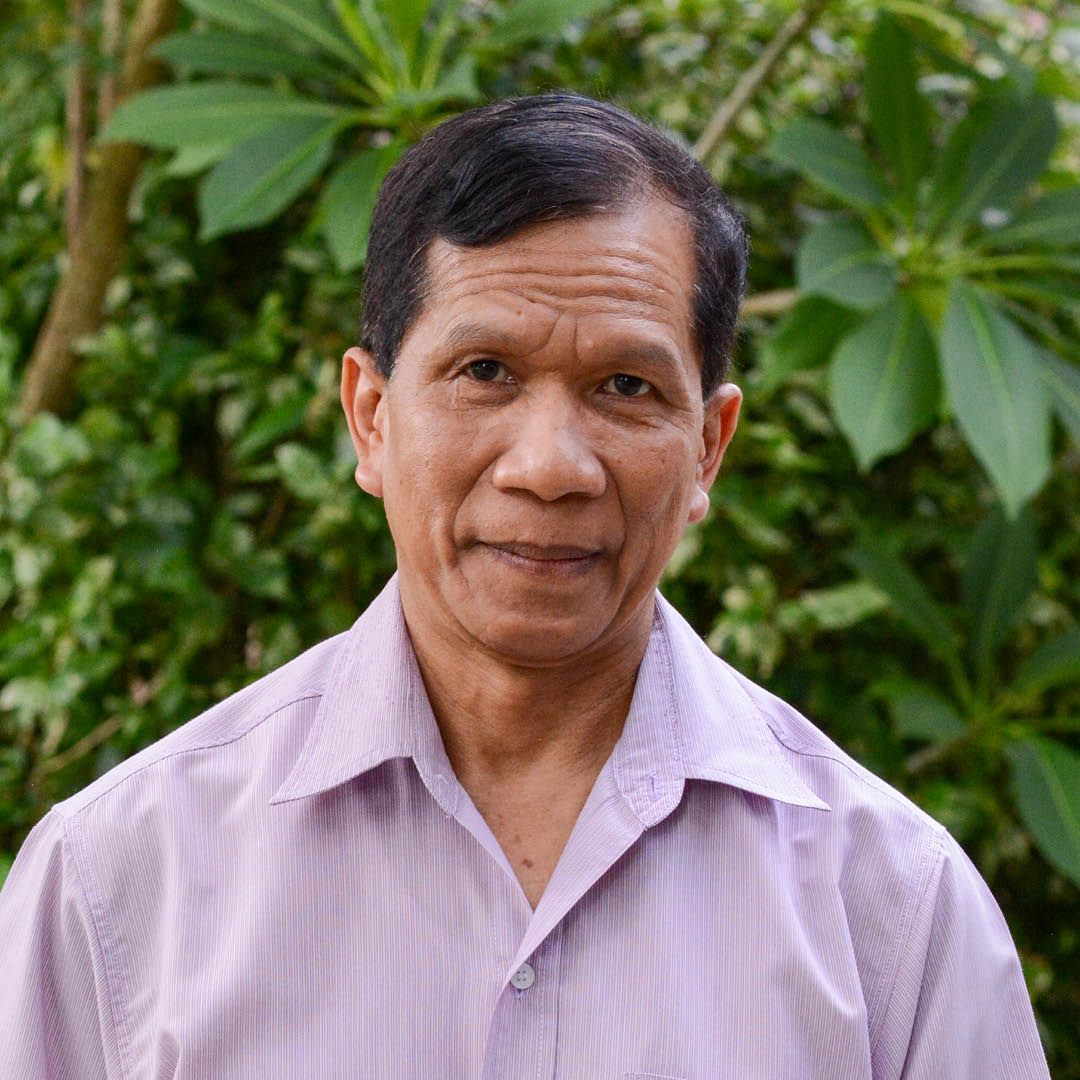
(894, 542)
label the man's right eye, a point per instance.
(488, 371)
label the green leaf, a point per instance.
(209, 112)
(830, 159)
(526, 20)
(883, 381)
(406, 17)
(899, 114)
(307, 18)
(349, 198)
(998, 153)
(263, 175)
(1062, 382)
(992, 374)
(908, 598)
(189, 160)
(918, 711)
(838, 259)
(1054, 663)
(1046, 783)
(47, 446)
(304, 473)
(284, 418)
(838, 607)
(1052, 221)
(240, 14)
(229, 52)
(999, 576)
(804, 338)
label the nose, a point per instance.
(549, 454)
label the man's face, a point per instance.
(542, 442)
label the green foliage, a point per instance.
(925, 234)
(193, 523)
(325, 78)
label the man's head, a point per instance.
(492, 171)
(543, 438)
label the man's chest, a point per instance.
(409, 951)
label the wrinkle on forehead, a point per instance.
(643, 268)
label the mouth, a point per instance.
(562, 560)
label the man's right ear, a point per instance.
(363, 397)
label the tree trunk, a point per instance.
(98, 247)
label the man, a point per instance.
(518, 821)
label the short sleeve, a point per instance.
(55, 1019)
(959, 1006)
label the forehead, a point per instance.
(628, 271)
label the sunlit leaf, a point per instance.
(999, 576)
(263, 175)
(830, 159)
(883, 381)
(992, 374)
(840, 260)
(1046, 782)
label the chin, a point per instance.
(532, 639)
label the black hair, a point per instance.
(485, 174)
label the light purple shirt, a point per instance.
(296, 885)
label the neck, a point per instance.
(502, 720)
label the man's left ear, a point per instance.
(721, 417)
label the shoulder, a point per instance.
(248, 722)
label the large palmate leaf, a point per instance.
(231, 52)
(993, 377)
(1046, 782)
(999, 576)
(899, 114)
(263, 175)
(348, 200)
(210, 112)
(907, 597)
(1052, 221)
(525, 20)
(994, 155)
(840, 260)
(804, 338)
(831, 160)
(883, 381)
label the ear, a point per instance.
(363, 397)
(718, 425)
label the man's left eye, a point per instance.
(626, 386)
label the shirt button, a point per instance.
(523, 978)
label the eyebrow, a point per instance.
(480, 334)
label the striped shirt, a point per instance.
(296, 885)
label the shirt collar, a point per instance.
(690, 718)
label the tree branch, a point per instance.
(75, 110)
(753, 78)
(97, 249)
